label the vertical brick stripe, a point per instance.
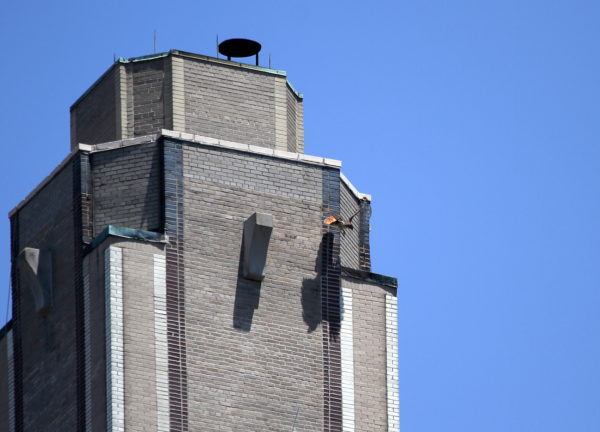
(161, 344)
(391, 333)
(16, 330)
(11, 381)
(347, 348)
(80, 187)
(113, 291)
(330, 306)
(175, 291)
(85, 198)
(364, 248)
(87, 346)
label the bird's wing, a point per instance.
(352, 217)
(330, 220)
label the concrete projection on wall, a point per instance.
(257, 233)
(36, 268)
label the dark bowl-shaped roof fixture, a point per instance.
(239, 48)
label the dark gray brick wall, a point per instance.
(127, 187)
(49, 342)
(254, 350)
(349, 237)
(229, 103)
(96, 114)
(97, 361)
(370, 386)
(148, 89)
(3, 384)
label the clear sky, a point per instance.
(474, 124)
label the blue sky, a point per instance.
(475, 126)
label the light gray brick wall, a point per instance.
(229, 103)
(254, 350)
(347, 354)
(139, 336)
(393, 395)
(122, 292)
(123, 336)
(190, 94)
(161, 351)
(350, 237)
(370, 356)
(113, 321)
(127, 187)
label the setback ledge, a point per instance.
(247, 148)
(377, 278)
(207, 141)
(129, 233)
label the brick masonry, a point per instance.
(7, 415)
(228, 345)
(330, 272)
(113, 321)
(127, 185)
(228, 353)
(393, 394)
(254, 349)
(46, 221)
(194, 94)
(347, 347)
(370, 353)
(175, 286)
(94, 116)
(350, 237)
(148, 87)
(161, 344)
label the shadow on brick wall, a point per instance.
(311, 292)
(247, 298)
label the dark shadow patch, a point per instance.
(311, 296)
(247, 298)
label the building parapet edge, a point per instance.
(44, 182)
(184, 136)
(366, 276)
(355, 191)
(174, 52)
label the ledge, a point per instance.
(198, 139)
(355, 191)
(366, 276)
(128, 233)
(247, 148)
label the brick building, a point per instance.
(174, 272)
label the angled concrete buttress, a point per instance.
(257, 233)
(36, 266)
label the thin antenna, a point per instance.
(217, 45)
(295, 418)
(270, 61)
(154, 41)
(114, 57)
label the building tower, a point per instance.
(188, 268)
